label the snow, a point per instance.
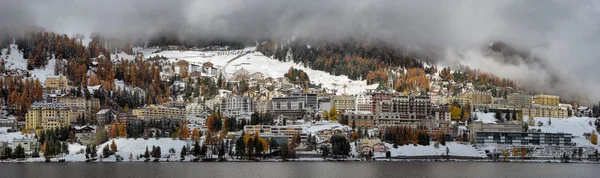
(455, 149)
(9, 137)
(323, 125)
(574, 125)
(486, 118)
(254, 61)
(138, 146)
(15, 60)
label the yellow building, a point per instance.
(42, 115)
(90, 106)
(549, 100)
(478, 97)
(537, 110)
(159, 112)
(59, 83)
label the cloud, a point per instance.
(565, 34)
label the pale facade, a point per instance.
(91, 106)
(42, 115)
(537, 110)
(519, 100)
(343, 103)
(159, 112)
(59, 83)
(478, 97)
(548, 100)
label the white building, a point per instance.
(363, 102)
(240, 107)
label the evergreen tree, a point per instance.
(146, 153)
(183, 152)
(105, 151)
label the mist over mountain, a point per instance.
(547, 46)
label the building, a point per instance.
(548, 100)
(366, 146)
(85, 135)
(536, 110)
(343, 103)
(106, 116)
(524, 138)
(194, 108)
(461, 101)
(241, 74)
(360, 118)
(439, 100)
(500, 101)
(519, 99)
(57, 84)
(292, 107)
(271, 131)
(262, 106)
(239, 107)
(363, 102)
(42, 115)
(324, 104)
(155, 112)
(91, 106)
(9, 122)
(258, 76)
(479, 126)
(399, 110)
(29, 143)
(478, 97)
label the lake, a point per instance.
(299, 169)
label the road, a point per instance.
(224, 69)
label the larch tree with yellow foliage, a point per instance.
(333, 114)
(183, 131)
(325, 115)
(594, 138)
(195, 135)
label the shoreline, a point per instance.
(309, 160)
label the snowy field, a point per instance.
(138, 146)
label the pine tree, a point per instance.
(183, 152)
(146, 153)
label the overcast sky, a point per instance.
(565, 34)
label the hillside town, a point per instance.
(219, 106)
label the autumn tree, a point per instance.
(183, 132)
(594, 138)
(196, 135)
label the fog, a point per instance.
(564, 34)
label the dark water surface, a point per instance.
(300, 169)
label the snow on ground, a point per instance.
(486, 118)
(9, 137)
(574, 125)
(323, 125)
(257, 62)
(455, 149)
(15, 60)
(138, 146)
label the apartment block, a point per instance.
(548, 100)
(478, 97)
(154, 112)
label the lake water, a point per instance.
(300, 169)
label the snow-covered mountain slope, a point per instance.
(15, 60)
(253, 61)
